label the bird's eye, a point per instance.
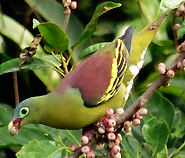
(23, 112)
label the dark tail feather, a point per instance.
(127, 38)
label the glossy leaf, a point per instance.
(181, 30)
(5, 115)
(168, 4)
(54, 35)
(53, 11)
(13, 65)
(156, 134)
(180, 155)
(161, 108)
(23, 137)
(91, 49)
(41, 149)
(131, 146)
(91, 26)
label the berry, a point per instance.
(101, 130)
(90, 154)
(111, 136)
(115, 149)
(111, 129)
(119, 111)
(13, 130)
(112, 122)
(127, 130)
(118, 155)
(85, 149)
(137, 116)
(176, 27)
(127, 124)
(179, 65)
(170, 73)
(73, 147)
(109, 112)
(74, 5)
(84, 140)
(119, 137)
(110, 144)
(162, 68)
(116, 141)
(143, 111)
(100, 146)
(136, 122)
(182, 47)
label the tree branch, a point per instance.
(162, 80)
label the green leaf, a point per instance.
(161, 108)
(73, 136)
(5, 115)
(23, 137)
(13, 65)
(91, 49)
(180, 155)
(156, 134)
(168, 4)
(35, 23)
(181, 30)
(41, 149)
(91, 26)
(132, 146)
(54, 35)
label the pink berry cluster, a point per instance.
(135, 121)
(107, 132)
(180, 12)
(107, 128)
(68, 5)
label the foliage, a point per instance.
(161, 133)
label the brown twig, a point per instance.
(16, 88)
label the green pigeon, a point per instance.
(85, 94)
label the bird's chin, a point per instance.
(14, 126)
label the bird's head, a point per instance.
(23, 114)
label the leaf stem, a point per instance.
(64, 64)
(55, 57)
(59, 70)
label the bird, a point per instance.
(84, 94)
